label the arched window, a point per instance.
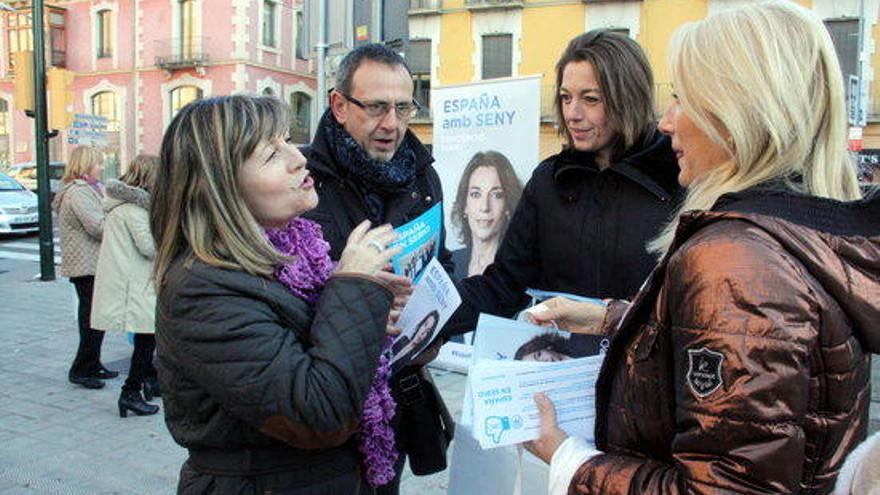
(301, 117)
(104, 104)
(182, 95)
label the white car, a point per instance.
(18, 207)
(26, 174)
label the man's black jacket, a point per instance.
(341, 207)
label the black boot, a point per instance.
(86, 381)
(103, 373)
(152, 388)
(131, 400)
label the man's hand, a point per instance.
(551, 435)
(428, 354)
(402, 289)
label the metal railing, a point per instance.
(179, 53)
(424, 5)
(481, 4)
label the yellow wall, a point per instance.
(659, 20)
(456, 48)
(545, 33)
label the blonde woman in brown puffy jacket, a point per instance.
(81, 225)
(743, 365)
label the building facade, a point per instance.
(137, 62)
(460, 41)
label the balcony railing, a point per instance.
(417, 7)
(182, 53)
(493, 4)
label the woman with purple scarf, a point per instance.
(270, 356)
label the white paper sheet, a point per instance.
(504, 410)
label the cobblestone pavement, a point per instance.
(57, 438)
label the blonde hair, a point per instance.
(763, 82)
(197, 205)
(141, 172)
(82, 159)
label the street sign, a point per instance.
(88, 130)
(856, 101)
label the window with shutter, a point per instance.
(497, 55)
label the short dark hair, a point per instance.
(510, 183)
(374, 52)
(625, 79)
(544, 342)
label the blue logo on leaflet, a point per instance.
(497, 425)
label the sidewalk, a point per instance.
(58, 438)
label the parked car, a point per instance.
(26, 173)
(18, 207)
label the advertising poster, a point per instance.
(485, 147)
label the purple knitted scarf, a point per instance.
(305, 277)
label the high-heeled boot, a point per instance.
(152, 388)
(132, 400)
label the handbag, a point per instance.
(425, 427)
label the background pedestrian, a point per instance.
(81, 225)
(124, 298)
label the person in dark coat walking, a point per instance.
(586, 214)
(368, 165)
(265, 352)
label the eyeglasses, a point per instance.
(379, 109)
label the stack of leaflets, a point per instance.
(434, 298)
(514, 360)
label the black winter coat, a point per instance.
(578, 229)
(264, 390)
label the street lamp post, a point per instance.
(41, 137)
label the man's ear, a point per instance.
(339, 107)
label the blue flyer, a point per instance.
(420, 239)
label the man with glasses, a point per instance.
(368, 165)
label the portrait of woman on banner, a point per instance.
(486, 197)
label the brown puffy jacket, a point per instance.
(743, 365)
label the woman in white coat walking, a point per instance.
(124, 296)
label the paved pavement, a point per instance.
(56, 438)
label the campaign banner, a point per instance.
(485, 145)
(420, 240)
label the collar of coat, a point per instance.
(119, 193)
(321, 160)
(651, 166)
